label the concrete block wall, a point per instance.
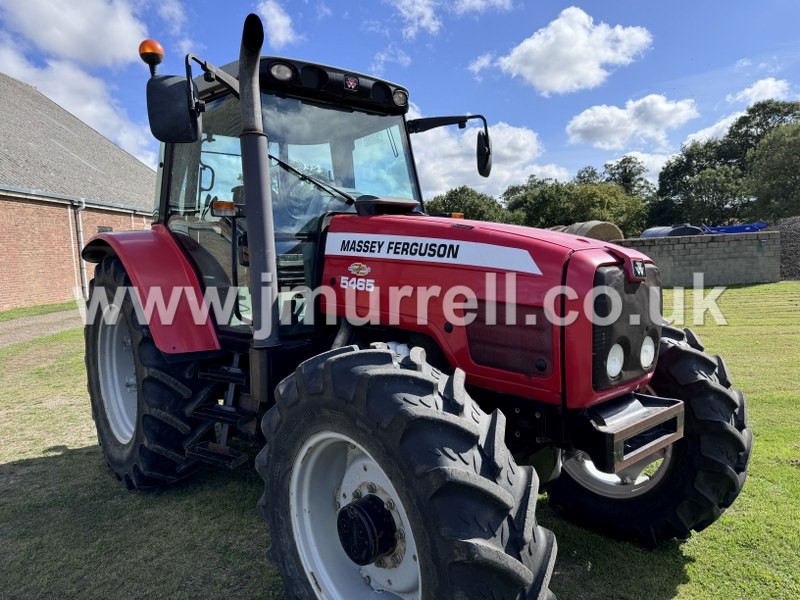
(39, 249)
(724, 259)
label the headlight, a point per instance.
(615, 360)
(281, 71)
(648, 352)
(400, 98)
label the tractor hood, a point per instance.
(479, 244)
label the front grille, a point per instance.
(629, 330)
(291, 271)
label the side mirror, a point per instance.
(484, 153)
(172, 107)
(484, 150)
(172, 114)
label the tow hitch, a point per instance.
(621, 432)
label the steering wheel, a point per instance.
(298, 198)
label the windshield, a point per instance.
(359, 152)
(344, 153)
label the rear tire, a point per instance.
(468, 510)
(141, 404)
(700, 475)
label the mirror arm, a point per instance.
(212, 73)
(420, 125)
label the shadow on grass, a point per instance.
(591, 566)
(70, 530)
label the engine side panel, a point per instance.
(405, 272)
(420, 266)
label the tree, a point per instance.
(774, 177)
(628, 172)
(748, 130)
(587, 175)
(539, 202)
(545, 203)
(609, 202)
(473, 204)
(717, 196)
(674, 202)
(699, 164)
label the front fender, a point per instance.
(155, 264)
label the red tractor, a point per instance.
(416, 378)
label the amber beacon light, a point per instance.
(151, 53)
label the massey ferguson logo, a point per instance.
(359, 269)
(638, 269)
(351, 83)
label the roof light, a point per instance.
(400, 98)
(281, 71)
(151, 52)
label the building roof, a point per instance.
(47, 151)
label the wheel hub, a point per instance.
(366, 530)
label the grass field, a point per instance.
(32, 311)
(69, 530)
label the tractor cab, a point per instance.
(328, 144)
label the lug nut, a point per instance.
(379, 563)
(400, 535)
(338, 505)
(356, 494)
(396, 559)
(389, 505)
(372, 488)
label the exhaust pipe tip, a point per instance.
(253, 33)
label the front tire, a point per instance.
(689, 485)
(141, 404)
(350, 425)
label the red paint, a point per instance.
(154, 260)
(550, 250)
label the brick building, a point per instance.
(60, 183)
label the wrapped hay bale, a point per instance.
(598, 230)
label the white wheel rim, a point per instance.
(117, 374)
(634, 481)
(328, 469)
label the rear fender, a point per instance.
(156, 265)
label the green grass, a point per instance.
(33, 311)
(69, 530)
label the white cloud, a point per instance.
(84, 96)
(484, 61)
(446, 158)
(419, 15)
(550, 171)
(277, 24)
(323, 10)
(613, 128)
(573, 53)
(173, 14)
(652, 162)
(744, 63)
(93, 32)
(479, 6)
(764, 89)
(715, 131)
(390, 54)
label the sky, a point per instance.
(563, 84)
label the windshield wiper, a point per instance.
(320, 184)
